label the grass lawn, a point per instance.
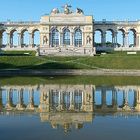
(117, 60)
(72, 80)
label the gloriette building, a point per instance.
(69, 33)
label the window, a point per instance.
(66, 37)
(78, 38)
(55, 38)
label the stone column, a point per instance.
(11, 40)
(1, 40)
(22, 40)
(60, 108)
(61, 40)
(137, 39)
(83, 102)
(8, 40)
(83, 39)
(123, 35)
(126, 42)
(103, 38)
(114, 98)
(93, 42)
(19, 40)
(31, 40)
(103, 98)
(1, 104)
(30, 106)
(71, 38)
(115, 39)
(72, 101)
(9, 99)
(137, 107)
(20, 105)
(126, 105)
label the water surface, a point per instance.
(69, 111)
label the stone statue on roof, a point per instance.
(67, 9)
(55, 11)
(79, 11)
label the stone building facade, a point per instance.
(69, 33)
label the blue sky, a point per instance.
(31, 10)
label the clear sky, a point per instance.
(27, 10)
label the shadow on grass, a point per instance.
(54, 65)
(6, 66)
(48, 65)
(16, 55)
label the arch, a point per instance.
(55, 37)
(78, 37)
(98, 37)
(110, 38)
(36, 37)
(77, 99)
(35, 30)
(120, 38)
(132, 37)
(14, 38)
(109, 97)
(23, 30)
(66, 100)
(13, 30)
(66, 36)
(24, 38)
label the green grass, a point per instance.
(74, 80)
(18, 53)
(115, 60)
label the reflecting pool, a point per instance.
(69, 111)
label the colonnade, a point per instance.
(20, 39)
(78, 100)
(115, 42)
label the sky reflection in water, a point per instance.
(69, 112)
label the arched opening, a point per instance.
(120, 38)
(132, 38)
(36, 38)
(25, 38)
(55, 35)
(110, 38)
(66, 100)
(66, 37)
(55, 99)
(78, 38)
(77, 99)
(109, 98)
(120, 98)
(14, 38)
(131, 97)
(98, 38)
(98, 97)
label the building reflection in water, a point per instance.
(70, 106)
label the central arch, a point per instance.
(78, 38)
(66, 37)
(55, 38)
